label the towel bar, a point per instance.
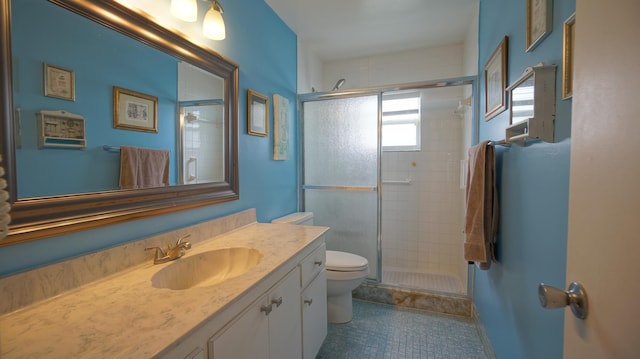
(500, 143)
(111, 148)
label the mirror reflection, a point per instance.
(522, 104)
(97, 95)
(93, 60)
(201, 109)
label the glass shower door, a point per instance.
(201, 141)
(340, 176)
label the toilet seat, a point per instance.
(345, 262)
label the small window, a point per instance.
(401, 122)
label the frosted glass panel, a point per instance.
(341, 142)
(341, 149)
(352, 216)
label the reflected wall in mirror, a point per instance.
(58, 190)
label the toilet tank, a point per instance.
(300, 218)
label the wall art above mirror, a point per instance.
(190, 90)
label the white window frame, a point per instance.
(413, 117)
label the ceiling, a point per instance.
(344, 29)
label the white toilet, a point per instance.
(345, 271)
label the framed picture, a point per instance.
(539, 22)
(59, 82)
(495, 81)
(257, 113)
(134, 110)
(280, 127)
(568, 37)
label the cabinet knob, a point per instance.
(266, 309)
(277, 301)
(318, 263)
(308, 301)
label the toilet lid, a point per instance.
(345, 262)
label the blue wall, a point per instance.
(265, 49)
(533, 186)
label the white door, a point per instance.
(604, 196)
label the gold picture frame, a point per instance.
(134, 110)
(257, 113)
(568, 40)
(539, 22)
(59, 82)
(495, 81)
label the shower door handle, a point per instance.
(193, 176)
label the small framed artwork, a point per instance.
(539, 22)
(257, 113)
(59, 82)
(495, 81)
(280, 127)
(568, 37)
(134, 110)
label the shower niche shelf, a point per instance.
(532, 106)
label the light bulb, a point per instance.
(213, 24)
(185, 10)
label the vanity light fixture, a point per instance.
(185, 10)
(213, 24)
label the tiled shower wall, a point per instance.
(422, 221)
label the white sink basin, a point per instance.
(207, 268)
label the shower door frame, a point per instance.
(181, 129)
(377, 91)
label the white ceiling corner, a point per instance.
(343, 29)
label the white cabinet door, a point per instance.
(285, 337)
(270, 328)
(314, 315)
(247, 337)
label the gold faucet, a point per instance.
(172, 253)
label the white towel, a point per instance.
(481, 222)
(143, 167)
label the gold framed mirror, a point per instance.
(40, 216)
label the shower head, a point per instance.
(338, 85)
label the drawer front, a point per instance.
(313, 264)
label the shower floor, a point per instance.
(428, 281)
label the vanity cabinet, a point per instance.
(269, 328)
(313, 298)
(253, 314)
(282, 317)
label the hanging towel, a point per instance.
(143, 167)
(481, 222)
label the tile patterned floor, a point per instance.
(427, 281)
(380, 331)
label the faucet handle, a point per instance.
(183, 237)
(187, 244)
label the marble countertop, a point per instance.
(124, 316)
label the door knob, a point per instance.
(575, 297)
